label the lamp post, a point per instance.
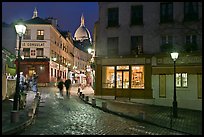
(20, 30)
(174, 56)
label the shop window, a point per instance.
(122, 77)
(108, 78)
(181, 80)
(137, 78)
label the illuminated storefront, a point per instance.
(122, 80)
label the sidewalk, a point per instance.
(188, 121)
(24, 119)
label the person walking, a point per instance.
(34, 83)
(60, 86)
(67, 84)
(22, 81)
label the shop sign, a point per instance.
(33, 44)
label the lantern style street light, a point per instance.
(174, 56)
(20, 30)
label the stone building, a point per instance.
(133, 42)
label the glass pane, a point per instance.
(119, 79)
(126, 79)
(108, 77)
(184, 80)
(178, 79)
(137, 77)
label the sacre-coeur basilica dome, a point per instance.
(82, 33)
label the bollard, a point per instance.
(104, 106)
(80, 93)
(93, 102)
(141, 115)
(14, 116)
(82, 96)
(78, 90)
(87, 99)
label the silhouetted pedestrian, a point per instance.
(67, 85)
(60, 86)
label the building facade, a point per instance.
(133, 42)
(50, 52)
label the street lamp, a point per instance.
(20, 30)
(174, 56)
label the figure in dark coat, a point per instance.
(60, 86)
(67, 85)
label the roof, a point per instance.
(37, 20)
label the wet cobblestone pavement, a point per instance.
(71, 116)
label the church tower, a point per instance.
(35, 13)
(82, 20)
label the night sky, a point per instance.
(68, 14)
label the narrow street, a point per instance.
(71, 116)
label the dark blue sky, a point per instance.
(68, 14)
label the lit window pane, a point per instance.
(119, 79)
(108, 77)
(184, 80)
(137, 78)
(178, 79)
(126, 79)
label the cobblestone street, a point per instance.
(71, 116)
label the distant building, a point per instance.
(50, 52)
(82, 38)
(82, 42)
(46, 51)
(133, 42)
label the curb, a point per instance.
(25, 124)
(131, 117)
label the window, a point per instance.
(190, 11)
(191, 39)
(137, 78)
(26, 52)
(108, 77)
(122, 77)
(55, 73)
(112, 46)
(166, 43)
(113, 17)
(27, 34)
(40, 35)
(167, 40)
(51, 72)
(191, 43)
(137, 15)
(40, 52)
(181, 80)
(166, 12)
(136, 44)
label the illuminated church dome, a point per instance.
(82, 33)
